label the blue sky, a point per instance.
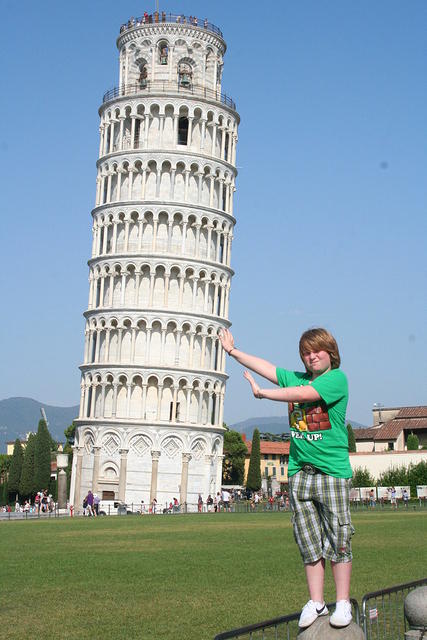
(331, 200)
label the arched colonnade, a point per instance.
(162, 232)
(157, 343)
(141, 285)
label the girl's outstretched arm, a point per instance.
(261, 367)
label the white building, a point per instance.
(153, 377)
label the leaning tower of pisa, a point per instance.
(153, 376)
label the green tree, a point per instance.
(233, 467)
(417, 475)
(351, 439)
(5, 461)
(253, 481)
(15, 470)
(27, 487)
(42, 457)
(412, 443)
(362, 478)
(395, 476)
(4, 494)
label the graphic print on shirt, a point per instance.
(309, 418)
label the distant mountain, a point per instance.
(20, 415)
(273, 424)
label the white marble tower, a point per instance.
(153, 377)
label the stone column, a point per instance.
(77, 489)
(82, 400)
(161, 129)
(186, 180)
(184, 237)
(177, 346)
(107, 345)
(202, 134)
(190, 131)
(127, 224)
(208, 461)
(114, 240)
(144, 182)
(210, 227)
(155, 455)
(144, 400)
(62, 489)
(211, 191)
(219, 473)
(186, 457)
(123, 472)
(214, 126)
(175, 130)
(114, 407)
(175, 392)
(95, 471)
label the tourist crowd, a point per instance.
(43, 503)
(157, 16)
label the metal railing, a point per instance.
(159, 17)
(284, 627)
(31, 515)
(383, 613)
(159, 87)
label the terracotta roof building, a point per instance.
(392, 435)
(274, 459)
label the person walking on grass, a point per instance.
(319, 467)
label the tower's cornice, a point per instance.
(157, 207)
(168, 90)
(162, 259)
(125, 423)
(164, 370)
(174, 156)
(171, 314)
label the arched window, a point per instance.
(185, 74)
(163, 52)
(182, 130)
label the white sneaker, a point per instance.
(341, 617)
(311, 612)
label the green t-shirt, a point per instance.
(318, 431)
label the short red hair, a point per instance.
(320, 340)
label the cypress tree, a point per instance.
(15, 470)
(351, 439)
(412, 443)
(42, 457)
(4, 494)
(253, 481)
(27, 486)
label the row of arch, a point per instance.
(143, 286)
(155, 343)
(168, 126)
(152, 399)
(162, 232)
(183, 181)
(141, 442)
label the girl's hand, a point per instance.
(255, 388)
(227, 340)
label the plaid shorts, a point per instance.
(321, 516)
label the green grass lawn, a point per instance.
(180, 577)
